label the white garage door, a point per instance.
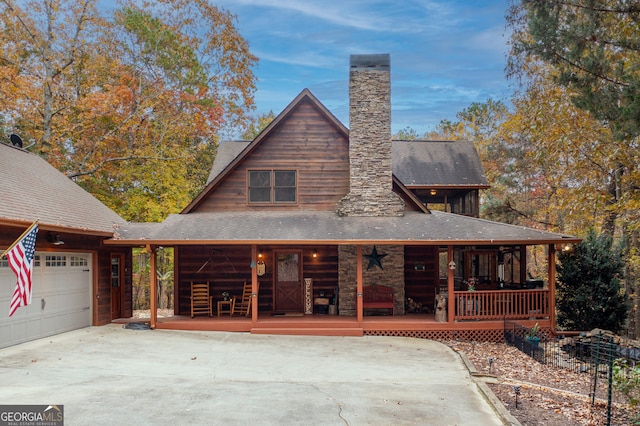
(61, 298)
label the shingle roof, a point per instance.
(329, 228)
(437, 163)
(226, 152)
(33, 189)
(415, 163)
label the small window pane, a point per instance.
(285, 195)
(259, 195)
(79, 261)
(285, 178)
(260, 178)
(55, 261)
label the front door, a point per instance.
(117, 267)
(288, 284)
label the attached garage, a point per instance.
(61, 299)
(75, 284)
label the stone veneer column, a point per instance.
(392, 275)
(370, 188)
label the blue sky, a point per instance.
(445, 54)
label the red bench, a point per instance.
(378, 297)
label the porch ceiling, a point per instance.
(321, 227)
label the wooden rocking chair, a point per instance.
(242, 306)
(201, 301)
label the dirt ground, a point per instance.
(548, 396)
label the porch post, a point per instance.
(450, 285)
(254, 284)
(552, 285)
(153, 286)
(359, 290)
(523, 264)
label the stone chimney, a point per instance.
(370, 186)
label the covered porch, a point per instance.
(478, 267)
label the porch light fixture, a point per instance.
(566, 247)
(314, 254)
(452, 265)
(55, 239)
(259, 255)
(433, 192)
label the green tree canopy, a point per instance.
(588, 288)
(595, 47)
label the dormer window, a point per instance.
(272, 186)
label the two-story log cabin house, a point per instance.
(310, 211)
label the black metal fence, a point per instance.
(594, 355)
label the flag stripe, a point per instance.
(20, 259)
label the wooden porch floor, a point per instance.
(409, 325)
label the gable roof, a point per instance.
(244, 152)
(415, 163)
(437, 164)
(33, 190)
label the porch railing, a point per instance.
(501, 304)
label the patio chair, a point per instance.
(242, 305)
(201, 301)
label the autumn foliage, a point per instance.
(129, 102)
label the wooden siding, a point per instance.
(228, 267)
(102, 296)
(421, 285)
(305, 141)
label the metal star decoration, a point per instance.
(375, 259)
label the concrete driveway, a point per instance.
(115, 376)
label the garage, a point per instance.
(61, 298)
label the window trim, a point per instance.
(272, 188)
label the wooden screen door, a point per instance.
(117, 276)
(288, 284)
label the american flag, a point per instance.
(20, 259)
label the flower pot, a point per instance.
(533, 340)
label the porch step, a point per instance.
(309, 331)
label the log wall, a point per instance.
(226, 268)
(305, 141)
